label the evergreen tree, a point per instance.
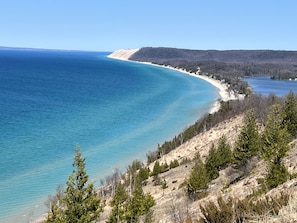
(224, 152)
(156, 169)
(118, 203)
(173, 164)
(139, 204)
(143, 174)
(198, 178)
(277, 174)
(290, 114)
(211, 163)
(247, 144)
(275, 137)
(55, 215)
(80, 203)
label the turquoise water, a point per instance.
(265, 86)
(116, 111)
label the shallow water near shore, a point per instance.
(116, 111)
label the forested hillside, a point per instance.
(230, 65)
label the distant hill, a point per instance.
(227, 65)
(162, 54)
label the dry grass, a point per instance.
(173, 206)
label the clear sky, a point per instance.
(108, 25)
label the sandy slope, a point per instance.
(123, 54)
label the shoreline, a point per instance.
(224, 93)
(124, 56)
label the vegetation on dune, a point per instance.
(127, 208)
(267, 130)
(79, 203)
(247, 144)
(231, 210)
(271, 145)
(198, 178)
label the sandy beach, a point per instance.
(224, 93)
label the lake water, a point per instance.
(116, 111)
(265, 86)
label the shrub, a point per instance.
(229, 211)
(277, 174)
(173, 164)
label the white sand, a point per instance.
(224, 93)
(123, 54)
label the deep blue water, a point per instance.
(116, 111)
(265, 86)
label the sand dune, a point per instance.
(123, 54)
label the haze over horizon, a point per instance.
(112, 25)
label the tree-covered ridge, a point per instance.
(155, 54)
(228, 65)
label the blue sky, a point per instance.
(108, 25)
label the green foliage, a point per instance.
(247, 144)
(143, 174)
(138, 205)
(224, 152)
(130, 208)
(290, 114)
(275, 140)
(173, 164)
(275, 137)
(212, 163)
(157, 169)
(198, 178)
(80, 203)
(218, 158)
(277, 174)
(118, 203)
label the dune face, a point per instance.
(123, 54)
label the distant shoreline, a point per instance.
(225, 95)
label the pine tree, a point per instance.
(198, 178)
(224, 152)
(277, 174)
(118, 203)
(139, 204)
(290, 114)
(143, 174)
(247, 144)
(156, 169)
(211, 163)
(275, 140)
(80, 203)
(275, 137)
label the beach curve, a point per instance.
(224, 93)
